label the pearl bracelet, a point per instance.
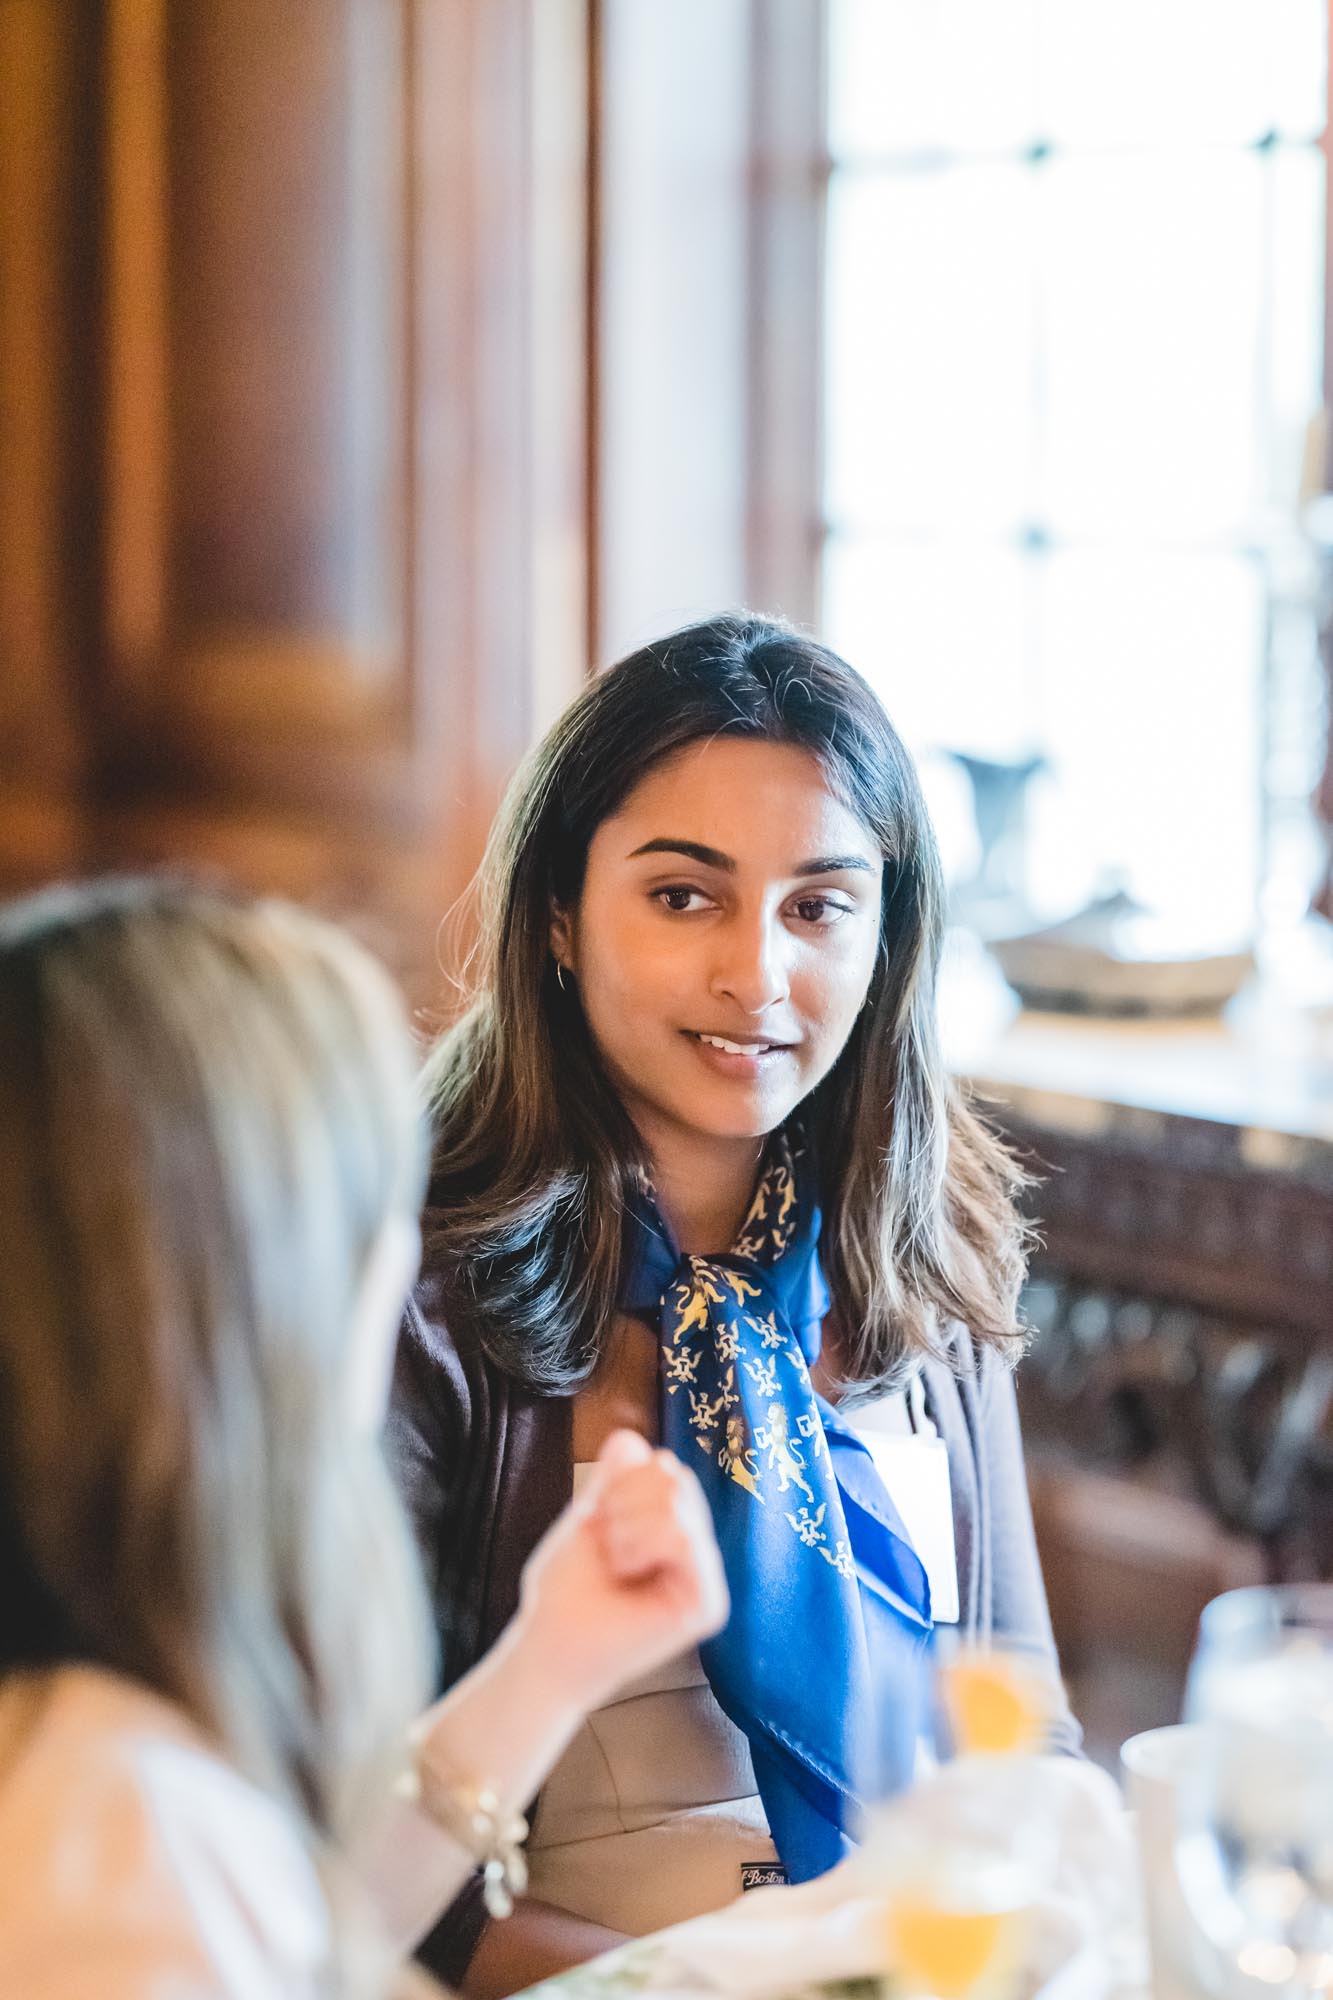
(471, 1814)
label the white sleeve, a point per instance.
(159, 1875)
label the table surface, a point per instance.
(1264, 1066)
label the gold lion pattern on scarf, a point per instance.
(711, 1308)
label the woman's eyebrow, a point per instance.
(835, 864)
(693, 850)
(713, 857)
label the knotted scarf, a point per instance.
(822, 1663)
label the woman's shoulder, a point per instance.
(444, 1385)
(74, 1709)
(445, 1358)
(136, 1860)
(968, 1386)
(971, 1364)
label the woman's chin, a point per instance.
(713, 1108)
(735, 1114)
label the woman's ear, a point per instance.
(561, 938)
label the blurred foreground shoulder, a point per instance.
(135, 1864)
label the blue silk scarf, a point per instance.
(823, 1661)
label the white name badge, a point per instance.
(915, 1471)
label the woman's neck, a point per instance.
(704, 1188)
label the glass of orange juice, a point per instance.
(962, 1857)
(955, 1924)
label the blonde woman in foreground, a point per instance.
(211, 1640)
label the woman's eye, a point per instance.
(820, 910)
(680, 899)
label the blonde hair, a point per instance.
(207, 1115)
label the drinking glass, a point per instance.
(959, 1885)
(1255, 1846)
(962, 1856)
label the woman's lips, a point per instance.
(732, 1057)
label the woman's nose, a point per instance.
(751, 968)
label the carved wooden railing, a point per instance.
(1182, 1306)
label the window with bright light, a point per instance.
(1073, 350)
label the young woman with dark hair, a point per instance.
(698, 1169)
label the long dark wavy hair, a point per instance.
(532, 1149)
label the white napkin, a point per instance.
(1084, 1937)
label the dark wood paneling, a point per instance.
(256, 492)
(294, 510)
(48, 182)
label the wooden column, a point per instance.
(48, 186)
(712, 165)
(788, 192)
(673, 331)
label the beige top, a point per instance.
(135, 1864)
(652, 1814)
(653, 1811)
